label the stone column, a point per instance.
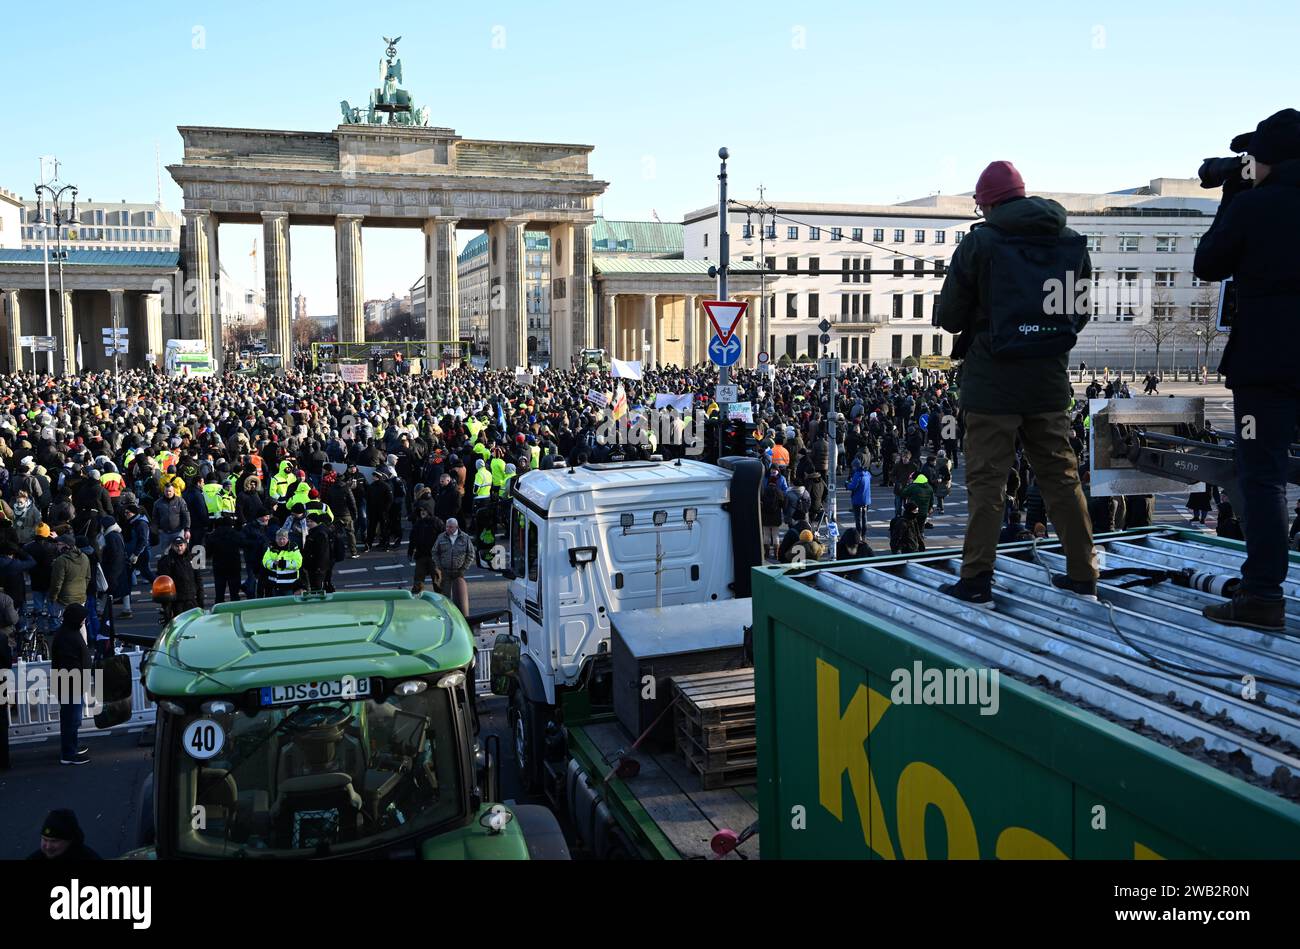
(582, 322)
(508, 320)
(609, 311)
(651, 329)
(689, 330)
(279, 308)
(213, 329)
(351, 279)
(441, 303)
(66, 332)
(199, 294)
(153, 327)
(561, 297)
(13, 329)
(116, 317)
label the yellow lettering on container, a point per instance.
(841, 746)
(920, 786)
(1020, 843)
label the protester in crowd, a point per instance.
(70, 653)
(453, 554)
(62, 838)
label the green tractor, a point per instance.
(593, 360)
(327, 725)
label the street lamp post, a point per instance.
(61, 217)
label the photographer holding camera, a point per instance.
(1255, 240)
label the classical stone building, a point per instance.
(395, 176)
(133, 290)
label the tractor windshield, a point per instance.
(325, 778)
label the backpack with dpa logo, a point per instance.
(1031, 294)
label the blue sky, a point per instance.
(819, 101)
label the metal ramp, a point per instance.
(1142, 656)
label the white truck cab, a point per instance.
(594, 539)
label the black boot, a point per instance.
(977, 591)
(1252, 612)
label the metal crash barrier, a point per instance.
(30, 722)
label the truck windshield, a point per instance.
(315, 779)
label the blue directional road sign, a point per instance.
(725, 354)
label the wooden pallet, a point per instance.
(715, 729)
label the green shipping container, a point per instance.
(875, 740)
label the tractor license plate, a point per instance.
(346, 689)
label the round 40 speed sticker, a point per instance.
(203, 739)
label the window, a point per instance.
(836, 233)
(918, 306)
(1094, 243)
(957, 236)
(1166, 244)
(898, 306)
(748, 257)
(1163, 312)
(1198, 282)
(815, 266)
(747, 231)
(857, 233)
(918, 268)
(1128, 243)
(934, 310)
(1165, 278)
(1127, 276)
(853, 349)
(99, 215)
(917, 341)
(706, 238)
(844, 304)
(896, 346)
(899, 235)
(814, 233)
(878, 235)
(769, 263)
(936, 344)
(844, 271)
(792, 233)
(854, 308)
(918, 236)
(791, 305)
(940, 266)
(866, 307)
(940, 237)
(898, 267)
(866, 269)
(814, 306)
(769, 232)
(791, 265)
(813, 348)
(149, 218)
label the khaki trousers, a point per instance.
(990, 453)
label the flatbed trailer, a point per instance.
(663, 812)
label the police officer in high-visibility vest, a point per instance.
(282, 565)
(482, 484)
(534, 453)
(212, 491)
(279, 485)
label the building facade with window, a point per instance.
(106, 226)
(1142, 243)
(11, 219)
(819, 258)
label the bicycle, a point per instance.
(33, 635)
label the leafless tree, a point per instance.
(1163, 327)
(1202, 325)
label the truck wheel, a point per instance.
(528, 724)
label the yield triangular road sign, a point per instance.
(725, 316)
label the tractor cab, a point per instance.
(325, 725)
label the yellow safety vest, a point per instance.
(482, 483)
(212, 498)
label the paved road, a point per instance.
(104, 793)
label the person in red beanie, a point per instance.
(1012, 292)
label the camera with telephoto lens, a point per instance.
(1216, 172)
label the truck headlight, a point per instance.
(452, 680)
(411, 687)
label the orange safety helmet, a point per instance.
(164, 588)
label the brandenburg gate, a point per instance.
(402, 173)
